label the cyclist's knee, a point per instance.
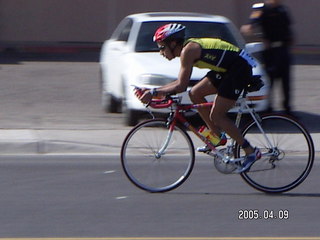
(195, 97)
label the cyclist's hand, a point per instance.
(143, 94)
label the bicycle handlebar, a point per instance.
(156, 103)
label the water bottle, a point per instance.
(204, 131)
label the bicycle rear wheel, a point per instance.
(155, 158)
(287, 162)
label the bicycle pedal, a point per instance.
(204, 149)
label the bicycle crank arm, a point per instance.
(235, 160)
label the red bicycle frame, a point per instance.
(179, 118)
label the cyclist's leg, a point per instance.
(219, 117)
(197, 95)
(229, 89)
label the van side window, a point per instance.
(123, 30)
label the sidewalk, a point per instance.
(31, 141)
(76, 142)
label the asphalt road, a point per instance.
(63, 197)
(89, 196)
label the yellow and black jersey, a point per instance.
(216, 54)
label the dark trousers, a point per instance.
(278, 62)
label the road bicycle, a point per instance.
(158, 155)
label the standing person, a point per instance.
(216, 55)
(275, 23)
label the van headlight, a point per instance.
(154, 79)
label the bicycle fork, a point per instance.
(165, 145)
(170, 124)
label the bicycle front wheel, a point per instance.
(287, 153)
(156, 158)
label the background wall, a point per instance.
(92, 21)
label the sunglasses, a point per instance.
(162, 47)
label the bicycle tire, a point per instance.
(296, 154)
(150, 172)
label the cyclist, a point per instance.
(230, 69)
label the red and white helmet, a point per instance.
(171, 30)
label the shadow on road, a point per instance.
(309, 120)
(287, 194)
(306, 59)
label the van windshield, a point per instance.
(223, 31)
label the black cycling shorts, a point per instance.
(231, 83)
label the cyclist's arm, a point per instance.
(189, 54)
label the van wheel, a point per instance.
(109, 103)
(131, 117)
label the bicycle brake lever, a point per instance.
(137, 89)
(148, 104)
(135, 86)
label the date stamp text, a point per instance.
(255, 214)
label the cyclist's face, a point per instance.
(166, 50)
